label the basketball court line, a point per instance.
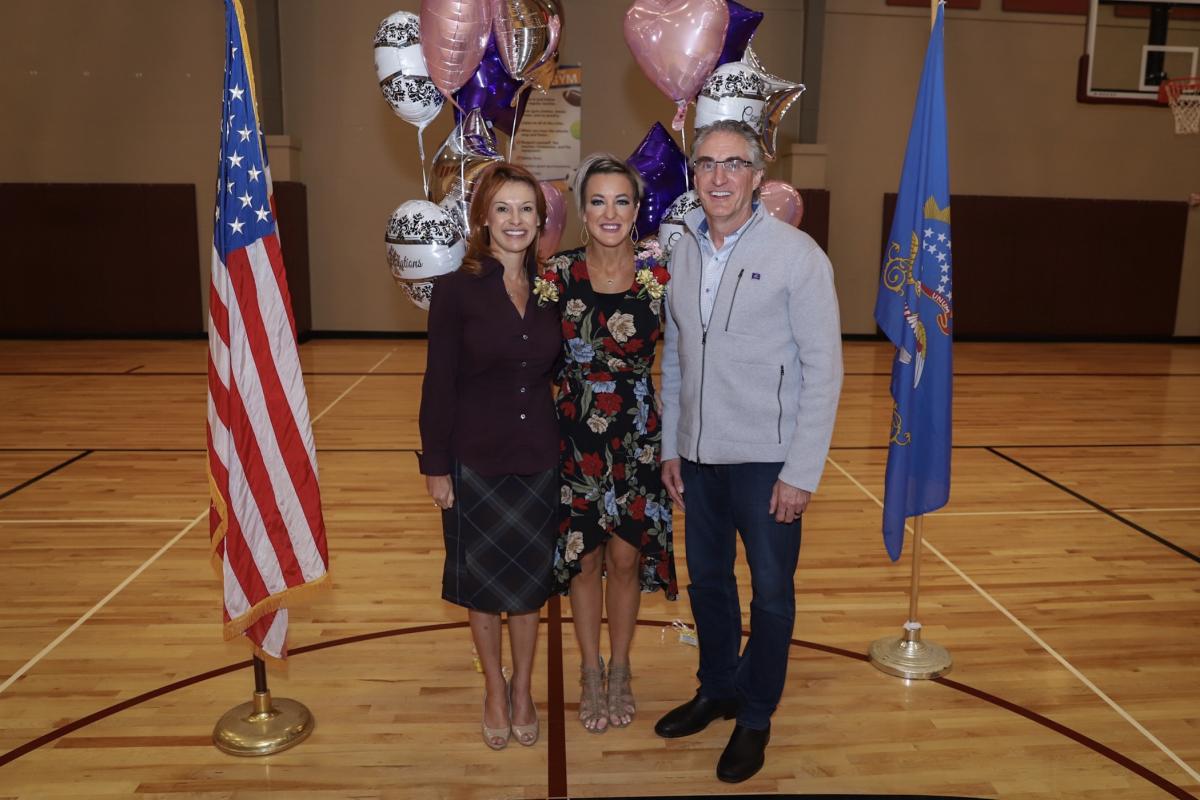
(1042, 643)
(1019, 513)
(145, 564)
(557, 783)
(97, 521)
(45, 651)
(854, 447)
(1064, 512)
(352, 386)
(45, 474)
(1104, 510)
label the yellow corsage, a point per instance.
(546, 290)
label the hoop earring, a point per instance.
(586, 238)
(633, 234)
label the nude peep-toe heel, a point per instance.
(490, 735)
(526, 735)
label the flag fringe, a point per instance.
(294, 594)
(217, 536)
(285, 599)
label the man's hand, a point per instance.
(787, 502)
(674, 482)
(441, 490)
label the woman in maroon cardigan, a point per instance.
(490, 438)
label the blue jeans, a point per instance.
(723, 500)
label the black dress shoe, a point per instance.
(694, 716)
(744, 755)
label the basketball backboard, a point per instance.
(1134, 45)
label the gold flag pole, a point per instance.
(907, 656)
(263, 726)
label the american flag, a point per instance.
(266, 528)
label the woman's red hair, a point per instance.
(479, 245)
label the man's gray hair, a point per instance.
(605, 164)
(737, 127)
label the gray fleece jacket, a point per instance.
(761, 382)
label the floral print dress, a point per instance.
(610, 432)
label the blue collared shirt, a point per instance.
(714, 259)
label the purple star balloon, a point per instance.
(492, 90)
(663, 168)
(742, 24)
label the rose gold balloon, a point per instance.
(454, 34)
(556, 219)
(782, 201)
(677, 42)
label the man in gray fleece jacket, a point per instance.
(752, 369)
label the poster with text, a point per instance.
(548, 140)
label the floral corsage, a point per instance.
(547, 288)
(651, 276)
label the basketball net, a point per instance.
(1184, 98)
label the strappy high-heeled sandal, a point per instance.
(490, 735)
(593, 705)
(526, 735)
(620, 697)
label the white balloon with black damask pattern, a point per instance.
(744, 90)
(423, 242)
(400, 67)
(419, 292)
(671, 227)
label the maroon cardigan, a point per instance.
(486, 400)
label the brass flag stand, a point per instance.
(263, 726)
(908, 656)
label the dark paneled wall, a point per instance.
(816, 215)
(120, 259)
(91, 259)
(1043, 267)
(291, 206)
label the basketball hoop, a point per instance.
(1183, 95)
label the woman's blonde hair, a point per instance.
(604, 164)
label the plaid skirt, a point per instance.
(500, 537)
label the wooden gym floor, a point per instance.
(1064, 578)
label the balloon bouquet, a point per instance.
(699, 50)
(482, 56)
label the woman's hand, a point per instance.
(441, 490)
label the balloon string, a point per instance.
(687, 173)
(421, 152)
(453, 102)
(462, 170)
(512, 140)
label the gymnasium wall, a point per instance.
(1015, 129)
(127, 91)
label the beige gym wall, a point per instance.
(122, 91)
(129, 91)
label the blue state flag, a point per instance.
(914, 310)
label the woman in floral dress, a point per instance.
(616, 518)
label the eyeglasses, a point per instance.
(730, 166)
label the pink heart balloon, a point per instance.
(677, 42)
(556, 219)
(454, 34)
(782, 201)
